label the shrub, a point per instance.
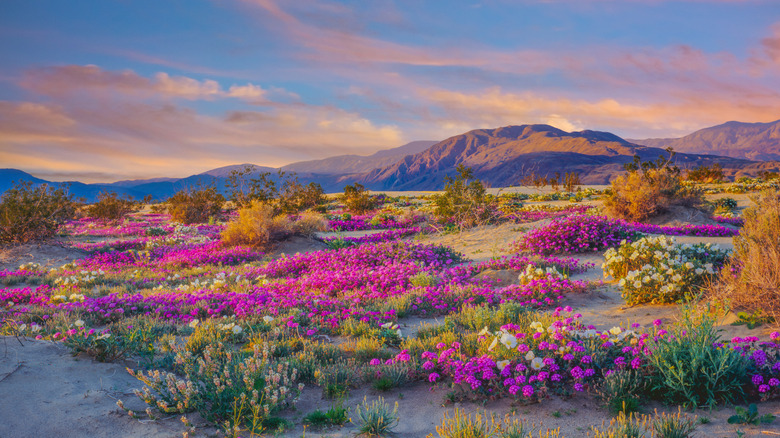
(357, 200)
(256, 226)
(376, 418)
(649, 189)
(576, 234)
(751, 280)
(111, 208)
(621, 391)
(657, 270)
(689, 368)
(30, 213)
(460, 425)
(296, 197)
(464, 202)
(724, 205)
(677, 425)
(309, 223)
(705, 174)
(195, 206)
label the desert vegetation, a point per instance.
(225, 338)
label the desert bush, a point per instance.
(245, 189)
(621, 391)
(111, 208)
(482, 425)
(751, 281)
(650, 189)
(30, 213)
(257, 226)
(196, 205)
(295, 197)
(465, 202)
(677, 425)
(376, 418)
(310, 222)
(576, 234)
(705, 174)
(658, 270)
(357, 200)
(724, 205)
(689, 371)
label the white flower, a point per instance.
(268, 318)
(530, 355)
(509, 340)
(501, 364)
(194, 323)
(537, 363)
(79, 323)
(615, 330)
(237, 329)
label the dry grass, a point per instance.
(309, 223)
(752, 279)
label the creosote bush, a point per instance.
(196, 205)
(257, 226)
(465, 202)
(751, 280)
(357, 200)
(111, 208)
(650, 189)
(30, 213)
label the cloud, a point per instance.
(138, 122)
(60, 81)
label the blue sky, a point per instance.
(106, 90)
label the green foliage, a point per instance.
(295, 197)
(464, 202)
(375, 418)
(621, 391)
(357, 200)
(30, 213)
(724, 205)
(690, 372)
(111, 208)
(649, 189)
(752, 320)
(336, 415)
(750, 416)
(195, 206)
(245, 189)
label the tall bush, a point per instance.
(110, 207)
(257, 226)
(190, 206)
(465, 201)
(751, 280)
(357, 200)
(30, 213)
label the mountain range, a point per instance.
(500, 157)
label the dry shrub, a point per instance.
(195, 206)
(309, 223)
(751, 281)
(111, 208)
(31, 213)
(637, 196)
(257, 226)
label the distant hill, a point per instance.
(349, 164)
(503, 156)
(752, 141)
(79, 190)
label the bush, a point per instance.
(658, 270)
(690, 370)
(705, 174)
(30, 213)
(464, 202)
(111, 208)
(751, 281)
(195, 206)
(309, 223)
(376, 418)
(357, 200)
(576, 234)
(650, 189)
(256, 226)
(296, 197)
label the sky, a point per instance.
(107, 90)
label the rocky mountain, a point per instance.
(350, 164)
(752, 141)
(503, 156)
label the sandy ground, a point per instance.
(44, 391)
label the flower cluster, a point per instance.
(576, 234)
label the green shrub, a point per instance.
(357, 200)
(688, 371)
(751, 280)
(257, 226)
(30, 213)
(465, 202)
(195, 206)
(621, 391)
(111, 208)
(376, 418)
(650, 189)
